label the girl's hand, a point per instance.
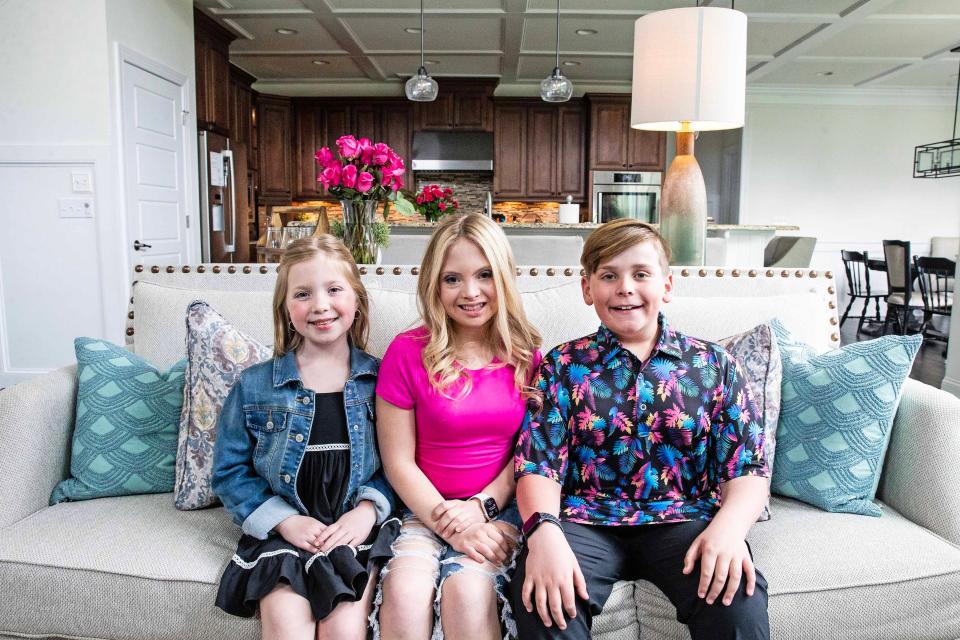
(483, 542)
(454, 516)
(724, 560)
(301, 532)
(352, 528)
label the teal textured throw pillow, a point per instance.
(125, 437)
(836, 411)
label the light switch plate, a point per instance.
(75, 207)
(82, 182)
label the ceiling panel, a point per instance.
(940, 74)
(790, 6)
(247, 5)
(447, 65)
(310, 35)
(835, 74)
(626, 6)
(767, 38)
(407, 5)
(614, 34)
(440, 33)
(884, 40)
(276, 67)
(589, 69)
(922, 7)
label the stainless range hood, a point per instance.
(452, 151)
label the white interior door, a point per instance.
(154, 167)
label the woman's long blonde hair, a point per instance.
(285, 338)
(510, 335)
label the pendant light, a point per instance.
(940, 159)
(556, 87)
(421, 87)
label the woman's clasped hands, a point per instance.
(462, 524)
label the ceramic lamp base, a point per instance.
(683, 206)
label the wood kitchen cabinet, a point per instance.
(273, 127)
(538, 150)
(614, 145)
(460, 105)
(211, 44)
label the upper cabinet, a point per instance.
(211, 42)
(538, 150)
(461, 105)
(273, 128)
(614, 145)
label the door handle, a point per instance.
(137, 245)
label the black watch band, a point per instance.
(537, 519)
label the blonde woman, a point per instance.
(314, 527)
(451, 398)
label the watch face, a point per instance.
(490, 506)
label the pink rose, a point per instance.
(442, 205)
(349, 176)
(420, 199)
(381, 154)
(364, 181)
(365, 147)
(349, 146)
(330, 177)
(395, 183)
(324, 156)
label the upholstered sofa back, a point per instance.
(709, 303)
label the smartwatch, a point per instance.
(488, 505)
(537, 519)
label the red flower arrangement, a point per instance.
(435, 201)
(361, 170)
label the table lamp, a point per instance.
(689, 74)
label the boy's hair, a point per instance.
(616, 237)
(511, 335)
(285, 338)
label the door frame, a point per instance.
(188, 166)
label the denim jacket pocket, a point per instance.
(266, 420)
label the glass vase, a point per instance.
(358, 230)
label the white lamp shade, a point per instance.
(689, 64)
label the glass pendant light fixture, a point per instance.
(556, 87)
(421, 87)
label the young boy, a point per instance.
(621, 470)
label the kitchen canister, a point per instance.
(569, 212)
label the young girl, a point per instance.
(451, 398)
(296, 462)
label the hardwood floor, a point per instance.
(928, 366)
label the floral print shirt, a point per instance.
(634, 442)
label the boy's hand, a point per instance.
(724, 559)
(454, 516)
(553, 576)
(352, 528)
(301, 532)
(482, 542)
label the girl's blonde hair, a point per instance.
(285, 338)
(510, 337)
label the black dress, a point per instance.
(324, 579)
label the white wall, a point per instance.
(62, 278)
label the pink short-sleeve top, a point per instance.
(463, 443)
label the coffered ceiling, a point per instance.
(369, 47)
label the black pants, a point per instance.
(650, 552)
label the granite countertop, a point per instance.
(593, 225)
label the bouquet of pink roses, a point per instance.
(361, 170)
(434, 201)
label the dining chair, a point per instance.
(855, 264)
(934, 275)
(902, 300)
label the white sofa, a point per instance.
(135, 568)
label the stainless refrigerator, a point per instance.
(224, 201)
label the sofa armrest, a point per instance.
(921, 475)
(36, 427)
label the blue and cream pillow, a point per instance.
(836, 414)
(127, 416)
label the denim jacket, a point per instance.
(264, 430)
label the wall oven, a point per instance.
(626, 194)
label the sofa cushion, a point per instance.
(873, 578)
(127, 413)
(125, 568)
(835, 418)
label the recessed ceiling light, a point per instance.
(571, 63)
(412, 29)
(321, 62)
(824, 73)
(286, 32)
(431, 62)
(586, 32)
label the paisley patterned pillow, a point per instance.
(216, 355)
(757, 352)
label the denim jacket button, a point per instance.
(269, 425)
(299, 437)
(356, 428)
(286, 478)
(306, 400)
